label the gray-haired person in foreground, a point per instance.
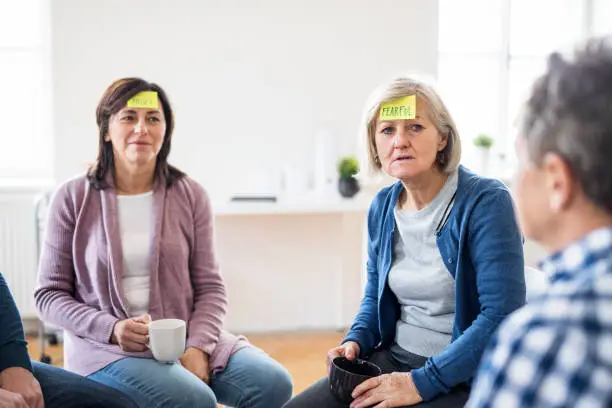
(557, 350)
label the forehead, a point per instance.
(520, 143)
(522, 152)
(422, 108)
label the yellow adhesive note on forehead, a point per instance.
(145, 99)
(401, 108)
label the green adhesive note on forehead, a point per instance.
(400, 108)
(145, 99)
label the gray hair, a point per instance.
(569, 113)
(448, 159)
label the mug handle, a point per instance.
(148, 342)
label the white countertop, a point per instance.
(307, 204)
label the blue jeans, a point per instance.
(63, 389)
(252, 379)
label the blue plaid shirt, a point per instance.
(557, 350)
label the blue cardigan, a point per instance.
(482, 248)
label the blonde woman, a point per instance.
(445, 260)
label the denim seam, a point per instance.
(124, 386)
(239, 391)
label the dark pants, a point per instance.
(319, 395)
(64, 389)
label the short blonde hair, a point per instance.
(448, 159)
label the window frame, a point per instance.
(504, 139)
(41, 51)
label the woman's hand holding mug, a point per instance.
(132, 334)
(350, 350)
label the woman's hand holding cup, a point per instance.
(132, 334)
(350, 350)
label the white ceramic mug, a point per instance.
(167, 339)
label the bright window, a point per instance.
(490, 52)
(26, 137)
(602, 17)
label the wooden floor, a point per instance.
(303, 354)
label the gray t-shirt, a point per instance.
(419, 279)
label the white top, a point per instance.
(423, 286)
(135, 224)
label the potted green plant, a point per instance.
(483, 143)
(348, 185)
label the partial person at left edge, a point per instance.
(30, 384)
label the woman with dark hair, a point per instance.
(132, 241)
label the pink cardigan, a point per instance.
(79, 280)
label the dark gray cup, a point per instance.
(345, 375)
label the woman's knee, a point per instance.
(158, 385)
(277, 387)
(200, 400)
(263, 382)
(186, 397)
(317, 395)
(270, 389)
(186, 391)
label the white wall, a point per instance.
(251, 81)
(291, 271)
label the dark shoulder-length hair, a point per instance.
(113, 100)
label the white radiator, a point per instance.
(18, 247)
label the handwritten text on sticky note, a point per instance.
(401, 108)
(145, 99)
